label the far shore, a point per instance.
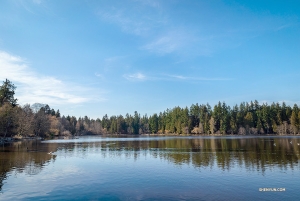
(14, 139)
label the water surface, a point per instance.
(151, 168)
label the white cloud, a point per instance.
(135, 77)
(180, 77)
(149, 21)
(33, 87)
(142, 77)
(162, 33)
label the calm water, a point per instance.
(151, 168)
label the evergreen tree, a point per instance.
(57, 114)
(7, 92)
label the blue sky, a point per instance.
(114, 57)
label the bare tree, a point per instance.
(242, 131)
(41, 123)
(66, 133)
(294, 129)
(253, 131)
(185, 129)
(285, 127)
(65, 124)
(212, 125)
(55, 125)
(196, 130)
(201, 129)
(279, 129)
(24, 120)
(78, 127)
(261, 131)
(86, 126)
(96, 127)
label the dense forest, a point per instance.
(244, 119)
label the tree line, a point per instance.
(245, 119)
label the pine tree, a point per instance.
(7, 92)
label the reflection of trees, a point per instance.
(32, 168)
(15, 157)
(2, 178)
(225, 153)
(253, 153)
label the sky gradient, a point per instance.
(116, 57)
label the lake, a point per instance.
(152, 168)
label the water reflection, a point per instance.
(27, 157)
(225, 153)
(253, 153)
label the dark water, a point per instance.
(151, 168)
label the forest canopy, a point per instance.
(247, 118)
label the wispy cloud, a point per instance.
(151, 23)
(180, 40)
(143, 77)
(33, 87)
(129, 25)
(141, 18)
(180, 77)
(135, 77)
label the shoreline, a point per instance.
(12, 139)
(177, 135)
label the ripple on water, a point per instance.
(149, 168)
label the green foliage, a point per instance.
(7, 92)
(7, 120)
(247, 118)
